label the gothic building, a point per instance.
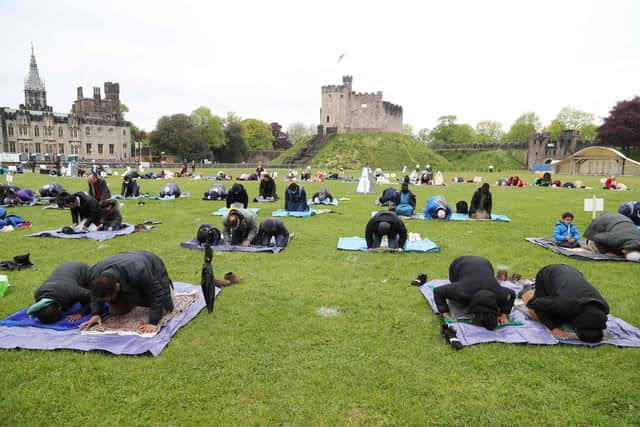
(94, 130)
(344, 110)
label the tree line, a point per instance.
(203, 135)
(620, 129)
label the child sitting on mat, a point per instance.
(565, 233)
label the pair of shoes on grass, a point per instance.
(420, 280)
(230, 278)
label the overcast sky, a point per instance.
(478, 60)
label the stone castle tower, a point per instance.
(97, 108)
(35, 93)
(345, 111)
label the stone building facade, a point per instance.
(345, 111)
(542, 149)
(94, 130)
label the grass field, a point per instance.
(264, 357)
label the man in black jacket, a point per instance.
(388, 224)
(473, 284)
(563, 296)
(481, 203)
(83, 208)
(237, 197)
(129, 279)
(66, 286)
(272, 228)
(267, 188)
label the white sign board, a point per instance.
(589, 205)
(9, 178)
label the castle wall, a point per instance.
(348, 111)
(541, 148)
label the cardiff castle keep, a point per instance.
(345, 111)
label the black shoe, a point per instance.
(420, 280)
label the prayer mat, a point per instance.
(126, 324)
(463, 217)
(333, 202)
(21, 318)
(224, 211)
(360, 244)
(47, 339)
(582, 252)
(298, 214)
(221, 247)
(91, 235)
(140, 196)
(618, 332)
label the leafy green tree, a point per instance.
(424, 136)
(257, 134)
(177, 135)
(235, 148)
(523, 128)
(449, 132)
(489, 132)
(571, 119)
(407, 129)
(622, 127)
(298, 131)
(210, 125)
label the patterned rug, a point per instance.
(128, 323)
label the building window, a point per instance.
(124, 148)
(112, 149)
(50, 130)
(36, 131)
(12, 147)
(75, 132)
(60, 148)
(110, 130)
(327, 119)
(99, 148)
(88, 148)
(87, 131)
(10, 130)
(60, 133)
(124, 132)
(20, 130)
(38, 147)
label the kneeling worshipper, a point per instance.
(388, 224)
(98, 187)
(110, 216)
(481, 203)
(67, 285)
(51, 189)
(267, 190)
(240, 226)
(295, 199)
(237, 197)
(473, 284)
(563, 296)
(616, 234)
(170, 189)
(127, 280)
(322, 195)
(84, 208)
(631, 210)
(272, 228)
(437, 208)
(405, 201)
(130, 187)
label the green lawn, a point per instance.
(264, 357)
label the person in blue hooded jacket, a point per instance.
(565, 233)
(295, 198)
(437, 208)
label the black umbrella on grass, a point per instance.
(207, 280)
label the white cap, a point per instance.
(441, 213)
